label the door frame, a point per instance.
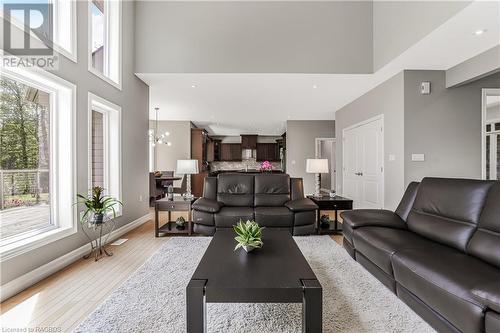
(484, 93)
(359, 124)
(333, 169)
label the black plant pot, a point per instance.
(98, 218)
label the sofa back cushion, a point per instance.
(236, 190)
(485, 243)
(447, 210)
(404, 207)
(272, 190)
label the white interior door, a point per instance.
(363, 171)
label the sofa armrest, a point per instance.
(301, 205)
(207, 205)
(372, 217)
(488, 295)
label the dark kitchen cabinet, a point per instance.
(230, 152)
(267, 152)
(249, 141)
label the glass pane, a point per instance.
(98, 34)
(497, 127)
(488, 128)
(97, 149)
(498, 156)
(488, 143)
(24, 158)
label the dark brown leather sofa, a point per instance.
(439, 251)
(272, 200)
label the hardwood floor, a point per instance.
(61, 301)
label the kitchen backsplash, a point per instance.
(240, 165)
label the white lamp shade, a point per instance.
(187, 167)
(317, 165)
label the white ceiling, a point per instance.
(231, 104)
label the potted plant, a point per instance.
(266, 166)
(180, 223)
(98, 204)
(249, 235)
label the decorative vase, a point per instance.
(325, 222)
(180, 223)
(248, 248)
(97, 218)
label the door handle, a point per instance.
(358, 174)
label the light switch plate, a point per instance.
(418, 157)
(392, 157)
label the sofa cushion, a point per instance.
(272, 190)
(236, 190)
(229, 216)
(447, 210)
(379, 244)
(485, 243)
(443, 278)
(273, 216)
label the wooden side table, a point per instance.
(176, 205)
(330, 203)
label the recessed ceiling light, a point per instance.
(194, 86)
(480, 32)
(315, 86)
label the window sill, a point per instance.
(105, 78)
(14, 249)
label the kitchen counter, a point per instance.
(215, 173)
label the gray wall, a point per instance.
(134, 102)
(254, 37)
(180, 136)
(300, 145)
(445, 126)
(397, 25)
(385, 99)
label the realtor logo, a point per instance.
(28, 35)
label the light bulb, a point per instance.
(169, 143)
(160, 141)
(167, 133)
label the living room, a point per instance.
(243, 166)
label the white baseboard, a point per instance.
(17, 285)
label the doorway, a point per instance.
(363, 163)
(490, 152)
(325, 148)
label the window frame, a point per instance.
(112, 146)
(112, 11)
(62, 162)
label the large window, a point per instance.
(37, 167)
(105, 40)
(105, 145)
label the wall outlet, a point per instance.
(418, 157)
(140, 198)
(392, 157)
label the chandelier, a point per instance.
(155, 139)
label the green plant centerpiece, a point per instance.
(97, 205)
(249, 235)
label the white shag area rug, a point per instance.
(153, 298)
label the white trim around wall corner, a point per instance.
(25, 281)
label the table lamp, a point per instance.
(317, 166)
(188, 168)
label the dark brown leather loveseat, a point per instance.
(272, 200)
(439, 251)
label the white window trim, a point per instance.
(62, 159)
(112, 136)
(116, 39)
(72, 53)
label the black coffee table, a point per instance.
(277, 273)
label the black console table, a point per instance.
(335, 203)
